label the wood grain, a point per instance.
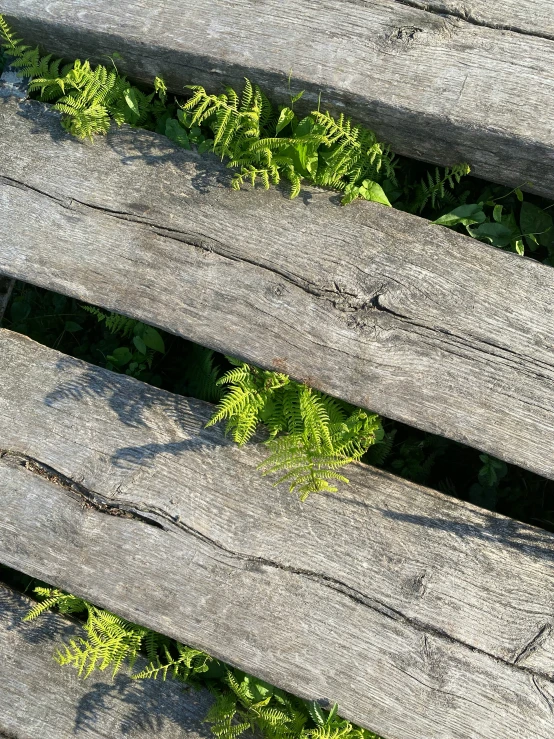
(421, 615)
(41, 700)
(369, 304)
(436, 87)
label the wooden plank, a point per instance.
(11, 86)
(381, 308)
(532, 17)
(38, 698)
(437, 88)
(422, 615)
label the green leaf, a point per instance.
(519, 194)
(464, 214)
(296, 97)
(305, 126)
(175, 132)
(316, 713)
(373, 191)
(285, 117)
(139, 343)
(497, 213)
(205, 146)
(153, 340)
(536, 225)
(496, 233)
(121, 356)
(185, 118)
(72, 327)
(131, 100)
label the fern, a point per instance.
(53, 598)
(186, 662)
(311, 435)
(433, 190)
(320, 149)
(88, 98)
(243, 702)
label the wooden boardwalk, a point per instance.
(385, 597)
(369, 304)
(436, 86)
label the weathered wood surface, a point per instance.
(532, 17)
(423, 616)
(381, 308)
(437, 88)
(41, 700)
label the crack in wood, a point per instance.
(161, 519)
(343, 299)
(533, 643)
(466, 16)
(91, 499)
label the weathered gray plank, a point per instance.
(532, 17)
(40, 699)
(437, 88)
(378, 307)
(423, 616)
(14, 87)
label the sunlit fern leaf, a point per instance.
(53, 598)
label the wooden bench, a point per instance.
(38, 698)
(421, 615)
(436, 86)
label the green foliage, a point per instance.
(509, 224)
(145, 341)
(243, 702)
(88, 97)
(311, 435)
(269, 145)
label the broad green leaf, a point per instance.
(305, 126)
(139, 343)
(496, 233)
(131, 100)
(373, 191)
(153, 340)
(466, 215)
(175, 132)
(121, 356)
(285, 117)
(535, 222)
(497, 213)
(72, 327)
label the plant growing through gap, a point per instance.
(242, 702)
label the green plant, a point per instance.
(89, 98)
(243, 702)
(137, 356)
(311, 435)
